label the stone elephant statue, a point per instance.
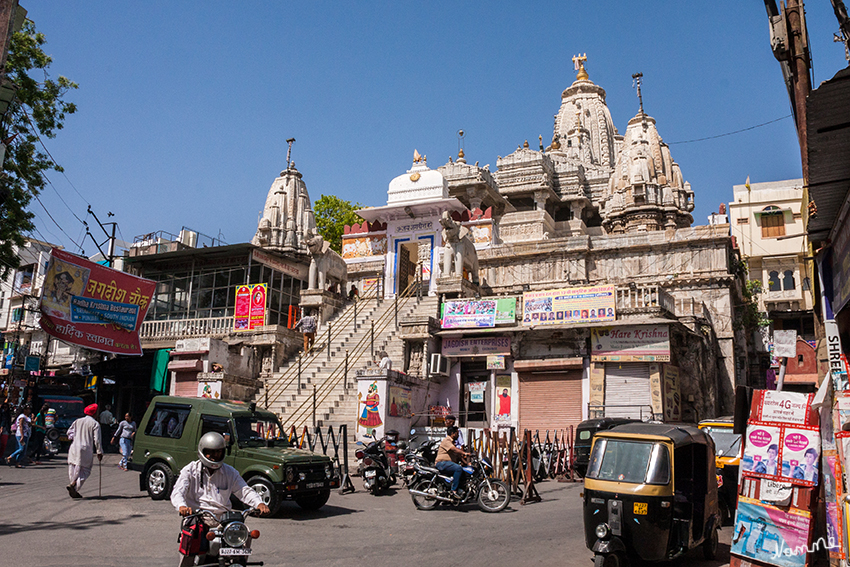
(325, 264)
(459, 250)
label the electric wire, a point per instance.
(730, 133)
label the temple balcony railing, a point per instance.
(172, 329)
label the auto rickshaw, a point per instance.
(650, 493)
(728, 450)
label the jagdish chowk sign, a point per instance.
(632, 343)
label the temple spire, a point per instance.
(578, 64)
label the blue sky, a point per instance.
(184, 107)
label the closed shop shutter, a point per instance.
(186, 384)
(550, 401)
(627, 390)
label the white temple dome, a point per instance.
(420, 183)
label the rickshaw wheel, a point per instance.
(615, 559)
(709, 547)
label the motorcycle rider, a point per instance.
(206, 484)
(449, 457)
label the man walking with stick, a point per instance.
(84, 434)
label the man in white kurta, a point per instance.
(84, 434)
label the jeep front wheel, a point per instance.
(159, 481)
(266, 490)
(313, 501)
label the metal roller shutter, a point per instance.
(550, 401)
(627, 390)
(186, 384)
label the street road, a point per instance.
(43, 526)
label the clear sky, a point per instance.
(184, 107)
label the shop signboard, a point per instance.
(495, 362)
(785, 344)
(506, 311)
(457, 347)
(841, 267)
(297, 271)
(571, 305)
(250, 310)
(32, 363)
(631, 343)
(92, 306)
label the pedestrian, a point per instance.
(84, 434)
(107, 420)
(386, 363)
(5, 426)
(23, 427)
(353, 293)
(307, 324)
(450, 422)
(39, 430)
(125, 434)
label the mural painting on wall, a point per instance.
(364, 246)
(672, 397)
(399, 402)
(370, 418)
(482, 233)
(503, 392)
(210, 390)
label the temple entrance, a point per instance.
(408, 256)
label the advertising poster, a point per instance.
(784, 407)
(469, 314)
(210, 390)
(476, 392)
(770, 534)
(92, 306)
(503, 397)
(496, 362)
(571, 305)
(242, 309)
(761, 451)
(506, 311)
(258, 306)
(399, 402)
(370, 287)
(833, 493)
(631, 343)
(800, 455)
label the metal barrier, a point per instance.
(329, 440)
(644, 412)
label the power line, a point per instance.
(730, 133)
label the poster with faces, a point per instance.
(800, 455)
(761, 451)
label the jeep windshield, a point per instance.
(259, 431)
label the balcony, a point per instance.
(634, 299)
(174, 329)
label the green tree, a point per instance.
(332, 214)
(38, 110)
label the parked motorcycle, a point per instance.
(375, 466)
(430, 487)
(419, 450)
(230, 543)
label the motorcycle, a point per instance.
(421, 451)
(230, 543)
(430, 487)
(52, 443)
(375, 467)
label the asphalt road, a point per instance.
(43, 526)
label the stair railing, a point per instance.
(302, 413)
(333, 331)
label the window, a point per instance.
(773, 282)
(629, 461)
(217, 424)
(168, 420)
(788, 280)
(772, 222)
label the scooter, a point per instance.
(375, 467)
(230, 543)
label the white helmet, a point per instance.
(211, 449)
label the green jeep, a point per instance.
(167, 441)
